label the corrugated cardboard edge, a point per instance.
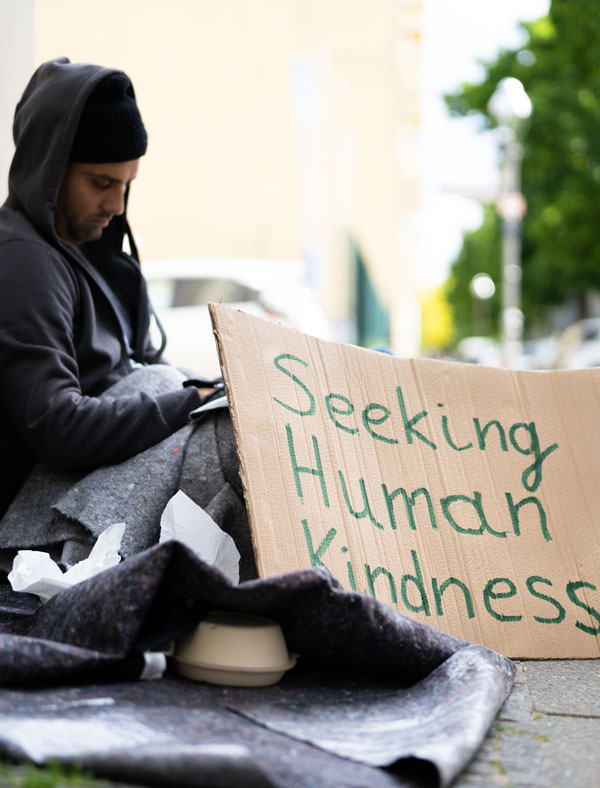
(236, 430)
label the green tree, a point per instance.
(560, 71)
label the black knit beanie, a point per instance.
(110, 128)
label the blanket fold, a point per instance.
(372, 688)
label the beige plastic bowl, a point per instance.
(235, 649)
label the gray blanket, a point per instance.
(377, 699)
(64, 513)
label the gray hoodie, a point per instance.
(61, 338)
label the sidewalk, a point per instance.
(548, 732)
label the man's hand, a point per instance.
(207, 388)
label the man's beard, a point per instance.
(85, 231)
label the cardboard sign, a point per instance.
(466, 497)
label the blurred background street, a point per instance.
(416, 174)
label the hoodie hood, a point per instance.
(45, 124)
(46, 119)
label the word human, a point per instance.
(522, 437)
(456, 509)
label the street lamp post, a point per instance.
(511, 108)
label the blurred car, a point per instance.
(539, 353)
(579, 345)
(181, 288)
(478, 350)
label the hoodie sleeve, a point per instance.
(41, 391)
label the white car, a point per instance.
(479, 350)
(181, 288)
(579, 345)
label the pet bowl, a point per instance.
(235, 649)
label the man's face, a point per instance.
(90, 195)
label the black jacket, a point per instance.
(61, 342)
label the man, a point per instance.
(74, 311)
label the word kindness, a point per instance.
(418, 596)
(401, 428)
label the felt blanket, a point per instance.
(377, 699)
(63, 513)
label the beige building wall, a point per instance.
(276, 128)
(17, 61)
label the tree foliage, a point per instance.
(560, 70)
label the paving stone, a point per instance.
(571, 751)
(518, 728)
(564, 686)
